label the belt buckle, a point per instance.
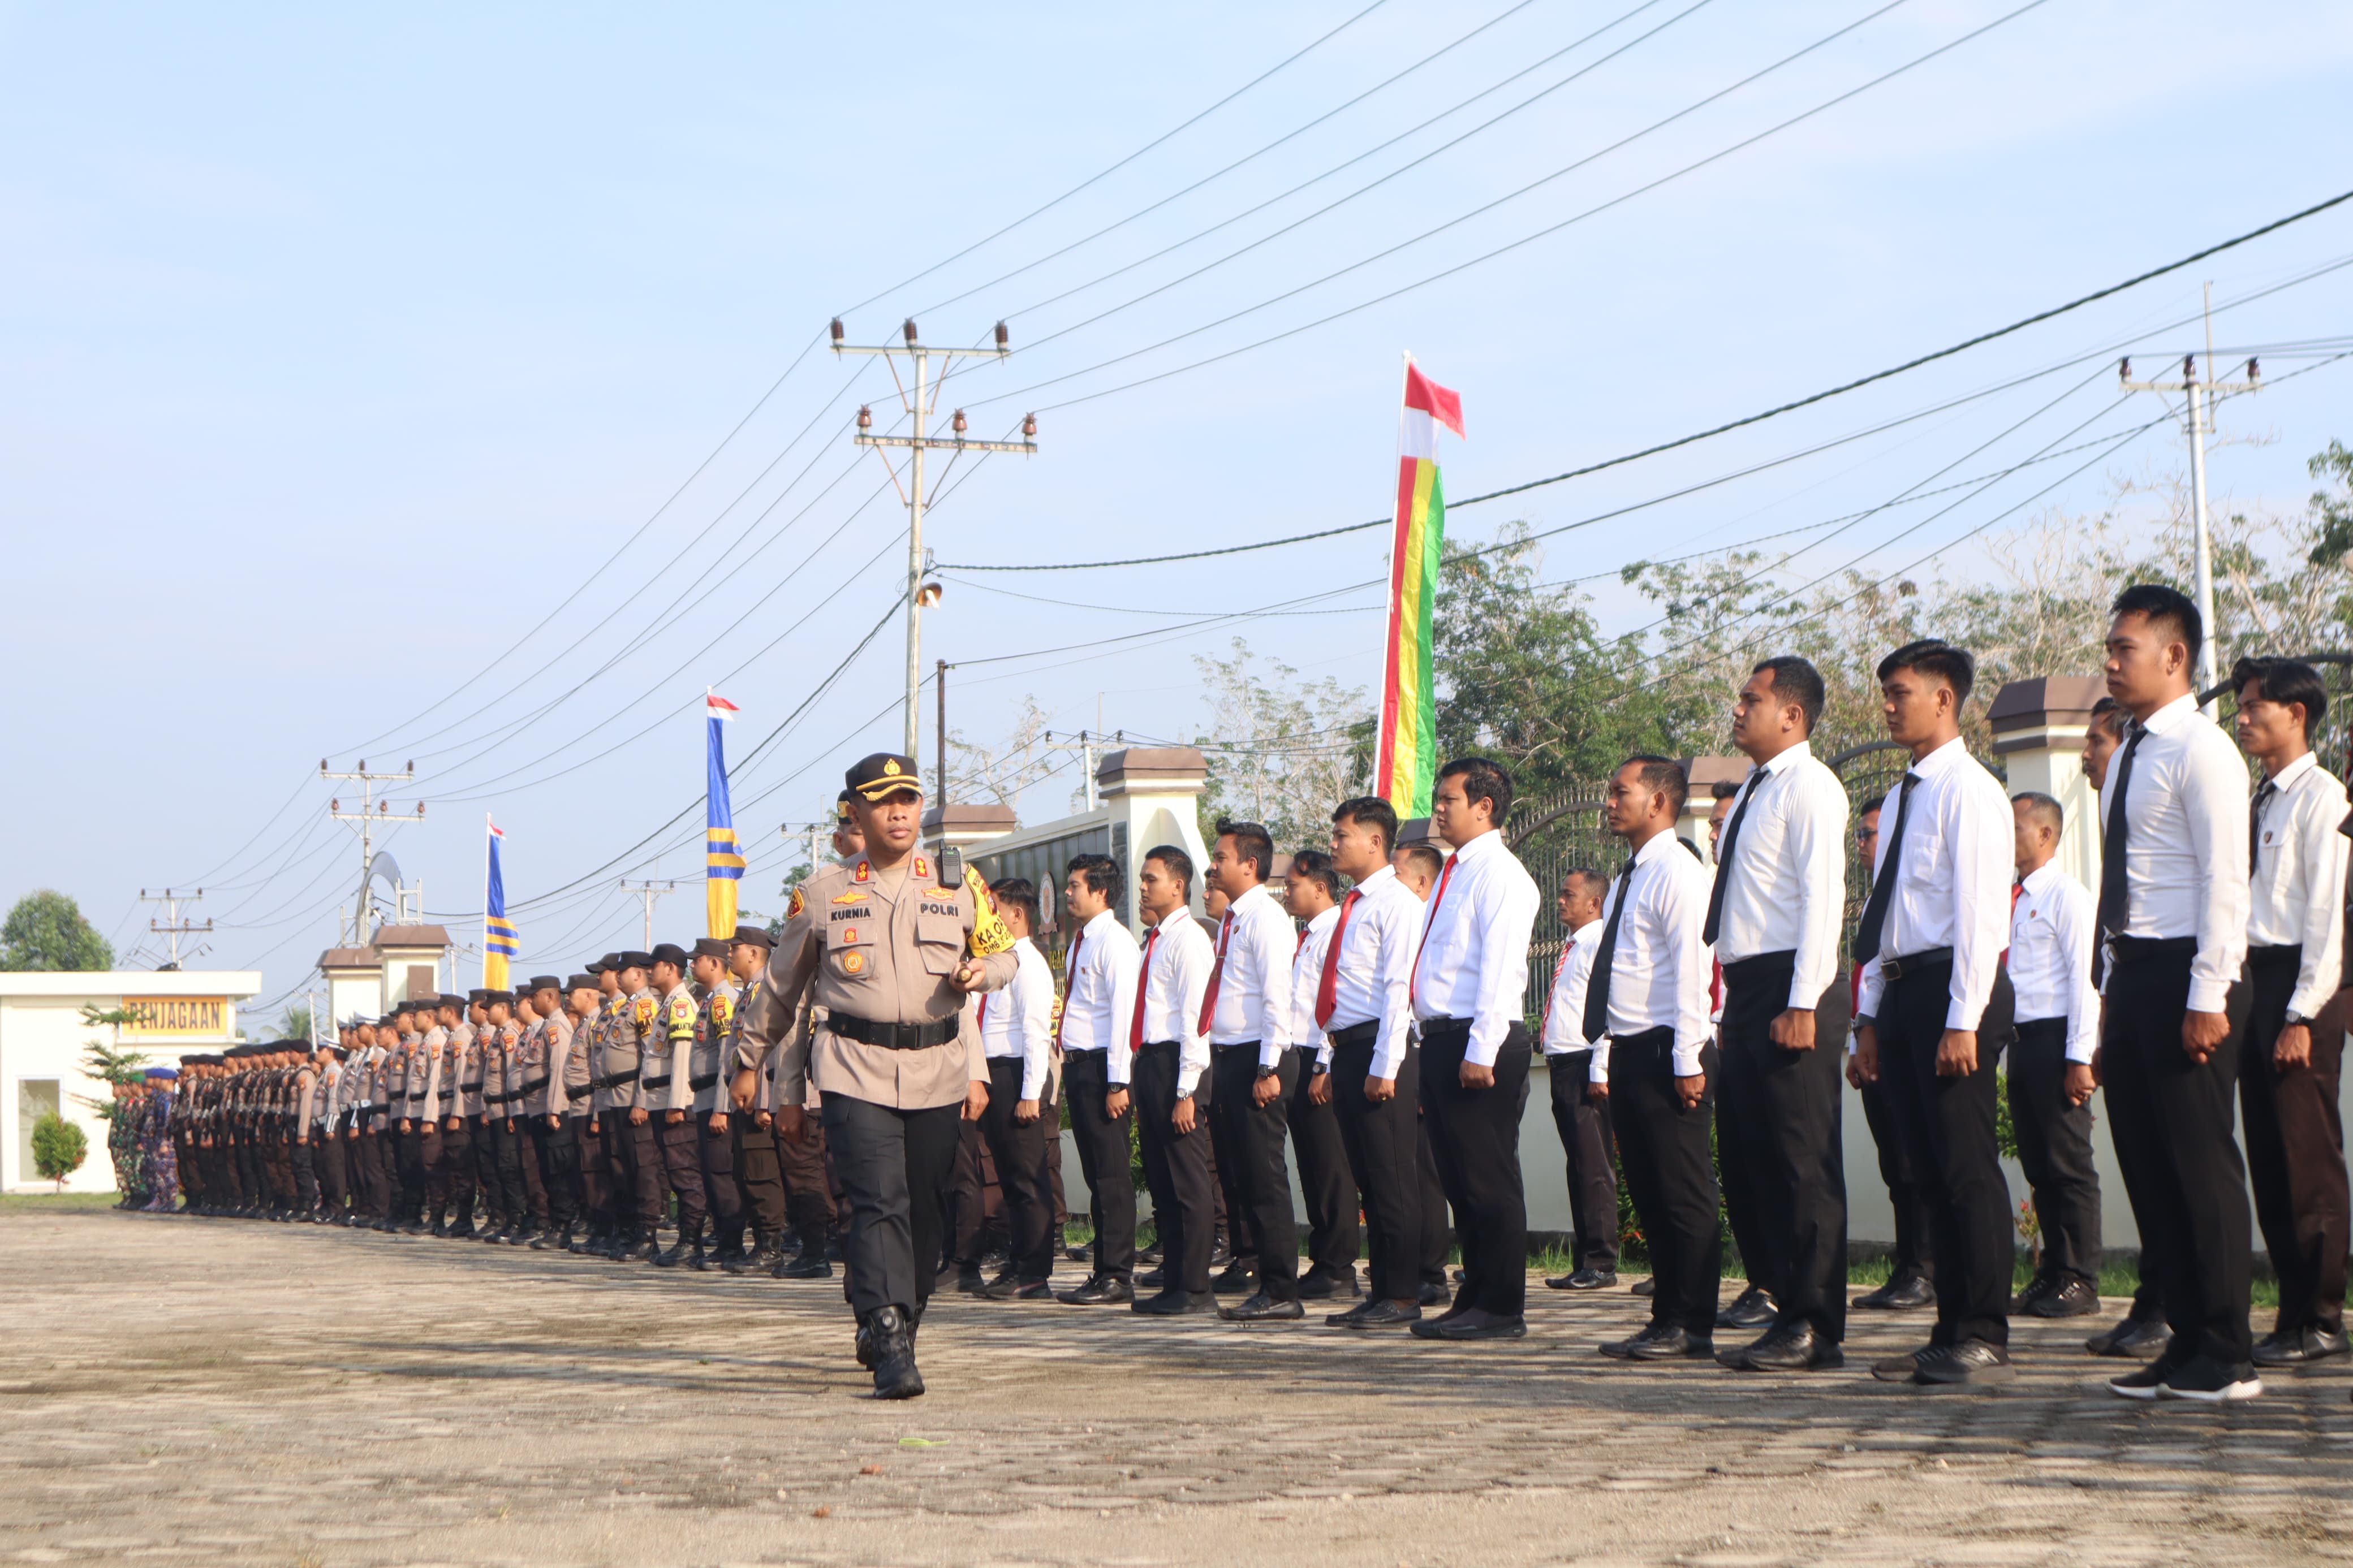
(1891, 969)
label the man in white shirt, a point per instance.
(1312, 893)
(1246, 1013)
(2058, 1026)
(1170, 1066)
(2173, 930)
(1581, 1117)
(1933, 1014)
(1646, 1005)
(1774, 911)
(1362, 1010)
(1470, 982)
(1016, 1038)
(1099, 969)
(1912, 1262)
(2295, 940)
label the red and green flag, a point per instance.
(1406, 759)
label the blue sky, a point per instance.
(340, 349)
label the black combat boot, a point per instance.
(893, 1353)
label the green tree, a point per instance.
(46, 931)
(1281, 751)
(58, 1148)
(295, 1024)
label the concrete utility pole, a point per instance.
(648, 891)
(1090, 746)
(172, 926)
(371, 814)
(2200, 422)
(919, 408)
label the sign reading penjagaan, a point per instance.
(189, 1018)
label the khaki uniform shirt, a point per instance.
(571, 1066)
(668, 1049)
(628, 1023)
(884, 947)
(713, 1025)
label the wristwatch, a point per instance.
(1265, 1072)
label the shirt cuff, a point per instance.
(2080, 1047)
(1324, 1055)
(1188, 1080)
(1115, 1065)
(1389, 1058)
(1482, 1053)
(1599, 1071)
(1270, 1053)
(2208, 995)
(1033, 1081)
(1686, 1059)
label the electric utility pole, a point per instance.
(2200, 422)
(172, 926)
(648, 891)
(1090, 745)
(371, 813)
(919, 408)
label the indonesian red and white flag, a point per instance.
(717, 706)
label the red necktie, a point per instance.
(1069, 983)
(1217, 972)
(1437, 897)
(1143, 989)
(1567, 946)
(1327, 989)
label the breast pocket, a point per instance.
(850, 946)
(941, 938)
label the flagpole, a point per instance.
(487, 826)
(1383, 736)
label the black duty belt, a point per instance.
(894, 1037)
(705, 1081)
(473, 1088)
(1912, 963)
(661, 1082)
(614, 1080)
(1433, 1026)
(1363, 1034)
(531, 1085)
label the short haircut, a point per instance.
(1100, 872)
(2107, 715)
(1315, 866)
(2168, 610)
(1251, 843)
(1664, 774)
(1373, 809)
(2043, 809)
(1868, 806)
(1175, 861)
(1723, 789)
(1796, 680)
(1425, 856)
(1936, 657)
(2284, 680)
(1021, 893)
(1482, 779)
(1588, 872)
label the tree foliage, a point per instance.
(1281, 751)
(58, 1148)
(46, 931)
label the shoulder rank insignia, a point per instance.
(988, 936)
(645, 1009)
(923, 869)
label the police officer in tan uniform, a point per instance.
(885, 950)
(631, 1146)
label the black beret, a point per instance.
(632, 959)
(755, 936)
(670, 952)
(883, 775)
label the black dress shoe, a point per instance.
(1473, 1323)
(1009, 1287)
(1317, 1286)
(1103, 1290)
(1649, 1287)
(1434, 1295)
(1900, 1368)
(2039, 1287)
(1794, 1347)
(1154, 1278)
(1262, 1307)
(1175, 1304)
(1078, 1254)
(1380, 1312)
(1904, 1293)
(2301, 1347)
(1237, 1279)
(970, 1283)
(2075, 1298)
(1972, 1363)
(1584, 1279)
(1752, 1309)
(2139, 1339)
(1655, 1344)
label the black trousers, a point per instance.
(2295, 1149)
(408, 1155)
(1177, 1166)
(807, 1168)
(1104, 1146)
(964, 1212)
(1023, 1189)
(1915, 1248)
(306, 1178)
(1385, 1149)
(510, 1149)
(490, 1188)
(2055, 1150)
(633, 1163)
(1780, 1140)
(559, 1167)
(682, 1163)
(334, 1169)
(450, 1174)
(1670, 1176)
(1949, 1124)
(894, 1173)
(758, 1175)
(1324, 1180)
(2170, 1120)
(1475, 1135)
(1437, 1219)
(1248, 1138)
(1586, 1140)
(715, 1155)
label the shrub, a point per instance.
(58, 1148)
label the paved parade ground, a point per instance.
(179, 1390)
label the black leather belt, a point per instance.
(892, 1036)
(531, 1084)
(1742, 968)
(1928, 958)
(614, 1081)
(473, 1088)
(661, 1082)
(1430, 1026)
(1363, 1034)
(699, 1084)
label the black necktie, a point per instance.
(2264, 793)
(1724, 861)
(1882, 887)
(2112, 857)
(1597, 986)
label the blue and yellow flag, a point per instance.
(498, 934)
(722, 856)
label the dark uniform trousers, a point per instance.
(557, 1149)
(334, 1169)
(1247, 1138)
(1586, 1141)
(1474, 1134)
(894, 1168)
(682, 1164)
(1779, 1139)
(420, 1149)
(450, 1179)
(1384, 1145)
(1915, 1249)
(1177, 1166)
(511, 1155)
(2295, 1149)
(596, 1186)
(2055, 1150)
(808, 1183)
(1671, 1175)
(302, 1157)
(1949, 1124)
(972, 1177)
(2170, 1120)
(633, 1164)
(487, 1134)
(758, 1175)
(1019, 1151)
(1437, 1220)
(1103, 1143)
(715, 1157)
(1325, 1183)
(371, 1175)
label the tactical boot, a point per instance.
(810, 1265)
(893, 1350)
(440, 1225)
(675, 1255)
(699, 1260)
